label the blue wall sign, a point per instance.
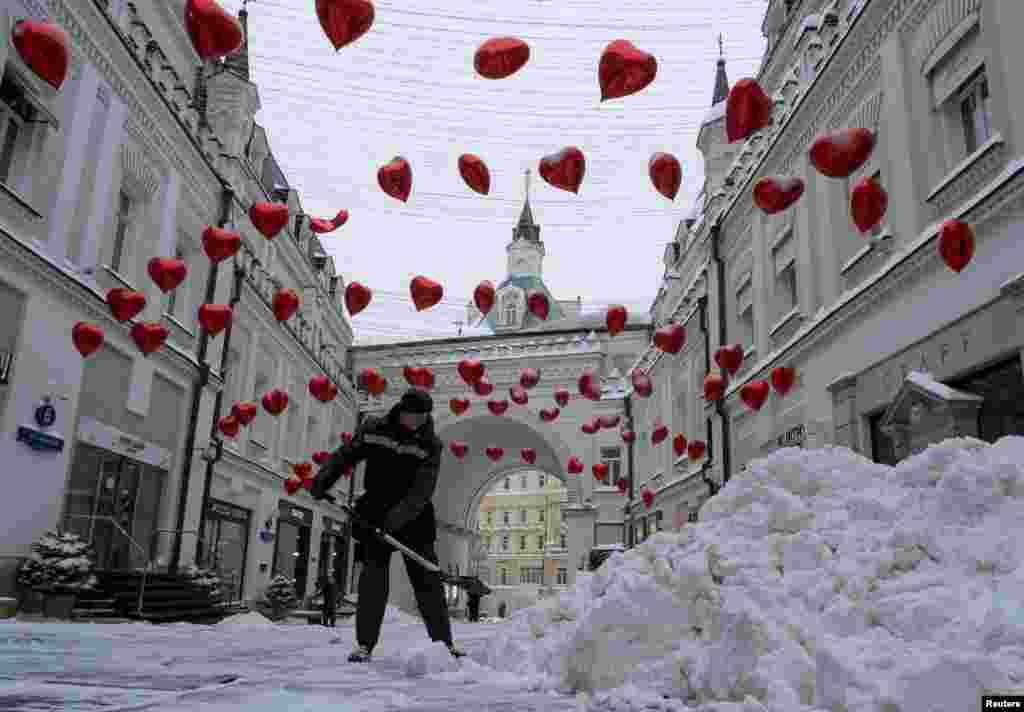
(38, 440)
(46, 415)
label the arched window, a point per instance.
(509, 311)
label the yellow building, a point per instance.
(521, 529)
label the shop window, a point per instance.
(612, 457)
(975, 112)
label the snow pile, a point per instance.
(816, 581)
(252, 619)
(393, 614)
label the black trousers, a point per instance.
(328, 616)
(373, 592)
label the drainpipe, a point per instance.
(236, 296)
(702, 306)
(716, 233)
(227, 196)
(629, 473)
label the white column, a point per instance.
(808, 252)
(77, 124)
(94, 229)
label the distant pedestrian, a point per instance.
(473, 606)
(329, 590)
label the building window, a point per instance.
(509, 312)
(504, 517)
(542, 480)
(561, 542)
(522, 542)
(172, 297)
(505, 542)
(504, 577)
(540, 542)
(15, 113)
(522, 482)
(508, 483)
(612, 457)
(563, 577)
(657, 521)
(490, 517)
(540, 513)
(745, 310)
(692, 517)
(522, 516)
(531, 574)
(784, 257)
(976, 112)
(124, 218)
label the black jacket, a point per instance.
(400, 478)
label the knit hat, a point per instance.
(416, 400)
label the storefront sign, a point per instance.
(289, 512)
(333, 526)
(103, 436)
(224, 510)
(38, 440)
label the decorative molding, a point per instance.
(965, 180)
(937, 22)
(138, 176)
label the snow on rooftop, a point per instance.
(940, 390)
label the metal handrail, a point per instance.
(149, 561)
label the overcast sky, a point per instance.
(408, 88)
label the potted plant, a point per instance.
(61, 565)
(280, 596)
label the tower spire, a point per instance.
(721, 79)
(526, 228)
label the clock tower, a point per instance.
(526, 251)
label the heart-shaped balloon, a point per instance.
(659, 434)
(344, 21)
(529, 377)
(747, 110)
(754, 394)
(600, 471)
(459, 449)
(529, 455)
(149, 337)
(695, 450)
(628, 436)
(624, 70)
(642, 384)
(228, 426)
(587, 387)
(615, 319)
(783, 379)
(292, 485)
(214, 318)
(373, 381)
(269, 218)
(275, 401)
(497, 407)
(483, 297)
(501, 57)
(219, 244)
(87, 338)
(125, 304)
(538, 304)
(425, 292)
(956, 244)
(483, 387)
(648, 497)
(471, 370)
(609, 421)
(166, 272)
(495, 453)
(43, 47)
(321, 456)
(562, 396)
(839, 154)
(395, 178)
(424, 378)
(322, 227)
(303, 470)
(474, 172)
(623, 485)
(729, 358)
(774, 194)
(574, 466)
(346, 438)
(549, 414)
(565, 169)
(348, 470)
(213, 31)
(459, 405)
(244, 413)
(868, 203)
(285, 304)
(411, 375)
(518, 395)
(589, 428)
(320, 388)
(670, 338)
(679, 444)
(666, 174)
(714, 387)
(357, 298)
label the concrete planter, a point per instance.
(59, 605)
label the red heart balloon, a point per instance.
(471, 370)
(228, 426)
(642, 384)
(666, 174)
(346, 438)
(600, 471)
(483, 387)
(459, 405)
(474, 172)
(585, 384)
(624, 70)
(589, 428)
(348, 470)
(695, 450)
(565, 169)
(483, 297)
(670, 338)
(529, 455)
(125, 304)
(714, 387)
(841, 153)
(424, 378)
(458, 449)
(244, 413)
(332, 392)
(214, 318)
(529, 377)
(518, 395)
(292, 485)
(372, 380)
(623, 485)
(609, 421)
(149, 337)
(615, 319)
(219, 244)
(320, 388)
(497, 407)
(747, 110)
(87, 338)
(285, 304)
(321, 226)
(43, 47)
(307, 484)
(425, 292)
(729, 358)
(167, 272)
(562, 396)
(648, 498)
(538, 304)
(776, 193)
(275, 401)
(344, 21)
(868, 203)
(783, 379)
(410, 374)
(321, 457)
(956, 244)
(659, 434)
(501, 57)
(269, 218)
(574, 466)
(214, 32)
(754, 394)
(628, 436)
(303, 470)
(495, 453)
(679, 444)
(395, 178)
(357, 298)
(549, 414)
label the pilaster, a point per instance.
(844, 409)
(96, 224)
